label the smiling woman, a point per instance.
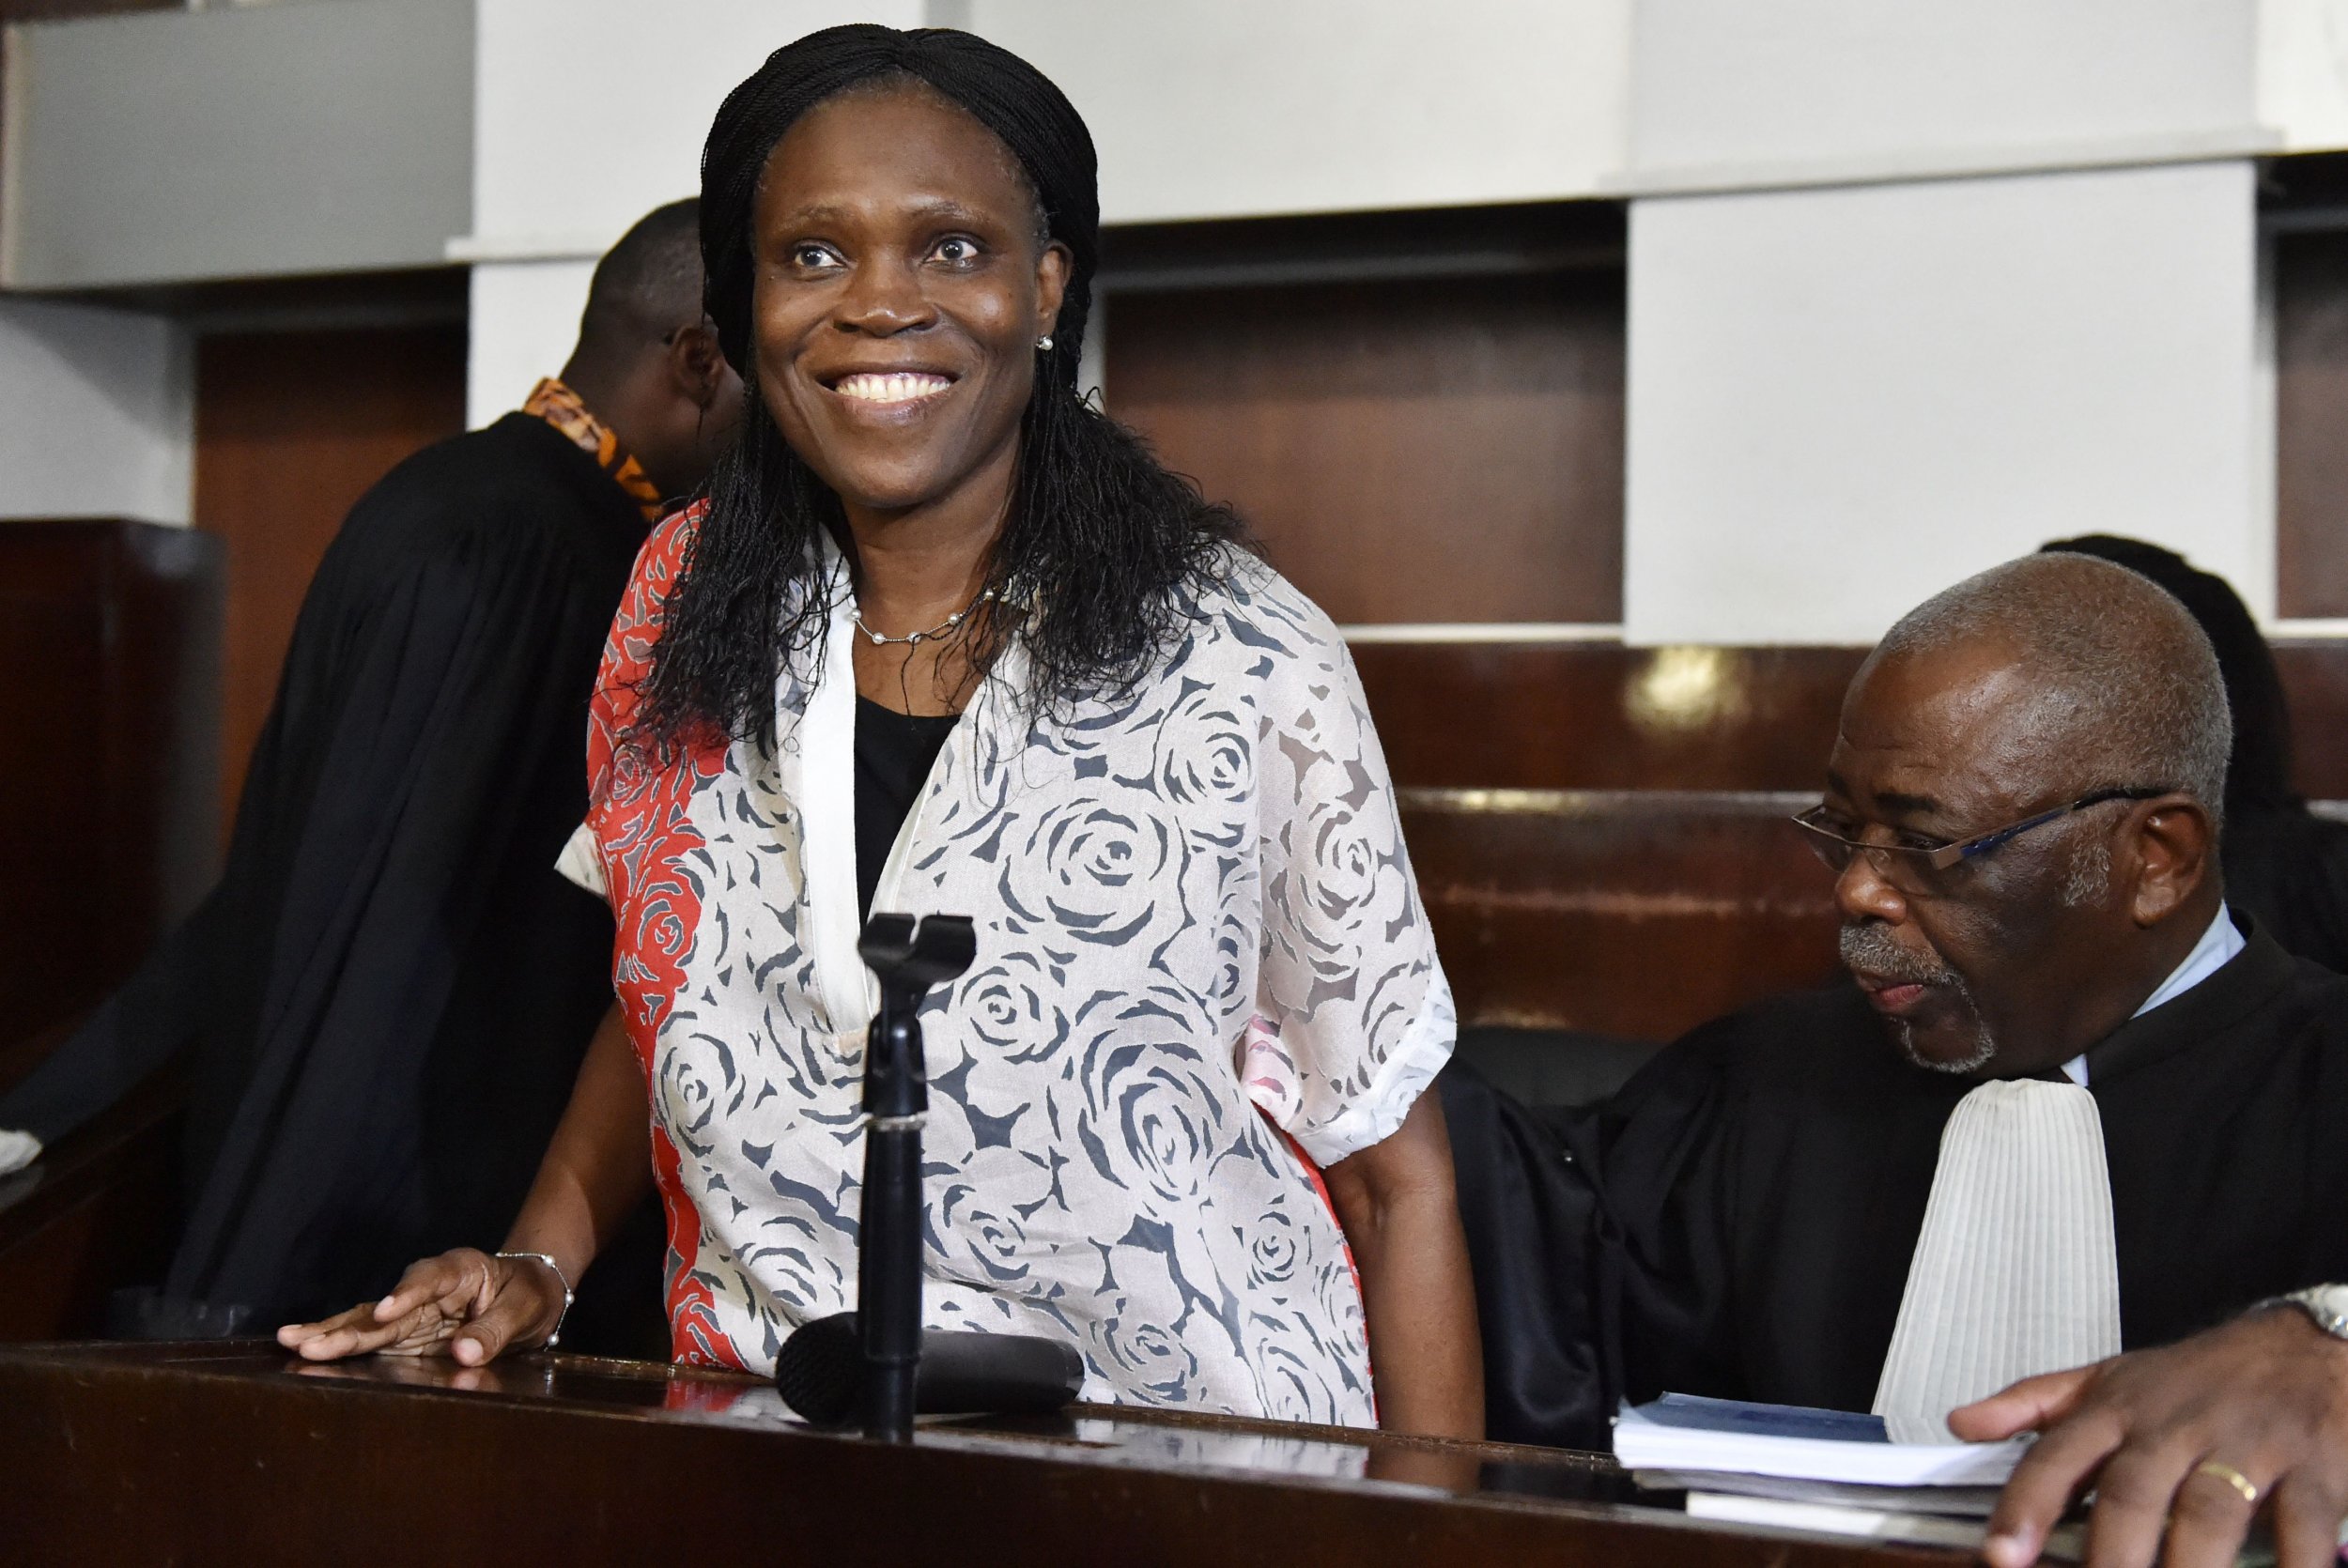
(941, 637)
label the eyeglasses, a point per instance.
(1914, 867)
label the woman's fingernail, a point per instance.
(2006, 1551)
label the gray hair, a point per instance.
(2127, 689)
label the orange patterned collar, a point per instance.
(562, 408)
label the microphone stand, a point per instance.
(876, 1363)
(907, 962)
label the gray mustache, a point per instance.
(1874, 949)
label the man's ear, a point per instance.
(696, 364)
(2176, 849)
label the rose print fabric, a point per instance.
(1203, 973)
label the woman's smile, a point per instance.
(900, 389)
(886, 397)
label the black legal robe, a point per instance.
(386, 998)
(1743, 1213)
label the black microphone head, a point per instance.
(886, 944)
(909, 959)
(969, 1373)
(820, 1370)
(944, 947)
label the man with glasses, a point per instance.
(2069, 1106)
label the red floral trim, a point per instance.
(639, 811)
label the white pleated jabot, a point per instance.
(2016, 1271)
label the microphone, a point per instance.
(820, 1373)
(877, 1364)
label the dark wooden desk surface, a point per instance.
(219, 1453)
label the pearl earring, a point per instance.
(1044, 345)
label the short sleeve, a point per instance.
(579, 863)
(1354, 1017)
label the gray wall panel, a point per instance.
(316, 136)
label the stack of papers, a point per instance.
(1681, 1431)
(1829, 1471)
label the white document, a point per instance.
(1680, 1431)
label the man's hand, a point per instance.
(463, 1304)
(2157, 1433)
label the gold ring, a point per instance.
(2232, 1477)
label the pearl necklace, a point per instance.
(941, 629)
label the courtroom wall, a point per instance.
(1847, 398)
(1741, 94)
(97, 413)
(1205, 109)
(1916, 287)
(317, 136)
(1908, 287)
(1236, 108)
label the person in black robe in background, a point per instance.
(1741, 1218)
(386, 998)
(2286, 867)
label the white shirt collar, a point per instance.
(2217, 948)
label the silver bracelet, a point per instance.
(555, 1335)
(2326, 1306)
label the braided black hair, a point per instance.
(1104, 546)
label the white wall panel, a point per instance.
(525, 318)
(1842, 401)
(1732, 85)
(590, 113)
(97, 414)
(2303, 72)
(1232, 108)
(335, 135)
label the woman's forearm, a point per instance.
(1425, 1352)
(1401, 1218)
(599, 1164)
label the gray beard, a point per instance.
(1984, 1045)
(1871, 948)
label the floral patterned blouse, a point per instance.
(1203, 974)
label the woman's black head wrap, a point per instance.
(1001, 91)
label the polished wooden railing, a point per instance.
(232, 1453)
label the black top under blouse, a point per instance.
(894, 753)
